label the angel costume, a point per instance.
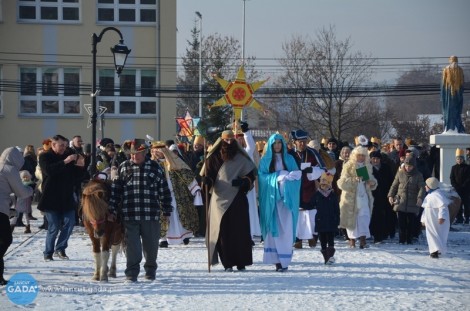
(435, 208)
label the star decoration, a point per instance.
(239, 94)
(88, 108)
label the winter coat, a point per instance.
(384, 178)
(460, 179)
(327, 216)
(11, 161)
(58, 183)
(30, 163)
(348, 185)
(409, 187)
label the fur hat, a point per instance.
(432, 183)
(138, 145)
(299, 134)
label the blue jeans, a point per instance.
(58, 221)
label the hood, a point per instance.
(13, 157)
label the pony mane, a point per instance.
(94, 200)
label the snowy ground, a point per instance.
(387, 276)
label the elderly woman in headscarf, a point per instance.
(279, 185)
(357, 183)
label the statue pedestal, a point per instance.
(448, 143)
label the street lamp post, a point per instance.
(200, 63)
(120, 53)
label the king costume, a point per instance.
(228, 230)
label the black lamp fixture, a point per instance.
(120, 53)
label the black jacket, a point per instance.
(460, 179)
(327, 217)
(58, 183)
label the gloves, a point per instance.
(282, 175)
(237, 182)
(244, 126)
(308, 169)
(243, 183)
(294, 175)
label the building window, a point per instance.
(50, 90)
(132, 93)
(127, 11)
(67, 11)
(1, 94)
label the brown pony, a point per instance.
(104, 231)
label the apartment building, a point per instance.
(46, 69)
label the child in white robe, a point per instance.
(435, 218)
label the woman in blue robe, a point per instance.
(279, 187)
(452, 96)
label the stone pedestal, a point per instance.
(448, 143)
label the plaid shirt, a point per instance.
(140, 191)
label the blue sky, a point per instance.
(383, 28)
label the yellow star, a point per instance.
(239, 94)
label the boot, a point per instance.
(331, 253)
(362, 242)
(298, 243)
(30, 216)
(19, 221)
(2, 269)
(27, 229)
(352, 243)
(313, 242)
(325, 254)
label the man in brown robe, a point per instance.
(229, 173)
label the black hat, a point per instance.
(106, 141)
(375, 154)
(299, 134)
(332, 140)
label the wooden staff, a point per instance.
(206, 203)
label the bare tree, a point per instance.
(327, 85)
(221, 56)
(419, 130)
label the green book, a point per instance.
(362, 172)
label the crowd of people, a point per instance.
(281, 192)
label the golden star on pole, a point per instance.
(239, 93)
